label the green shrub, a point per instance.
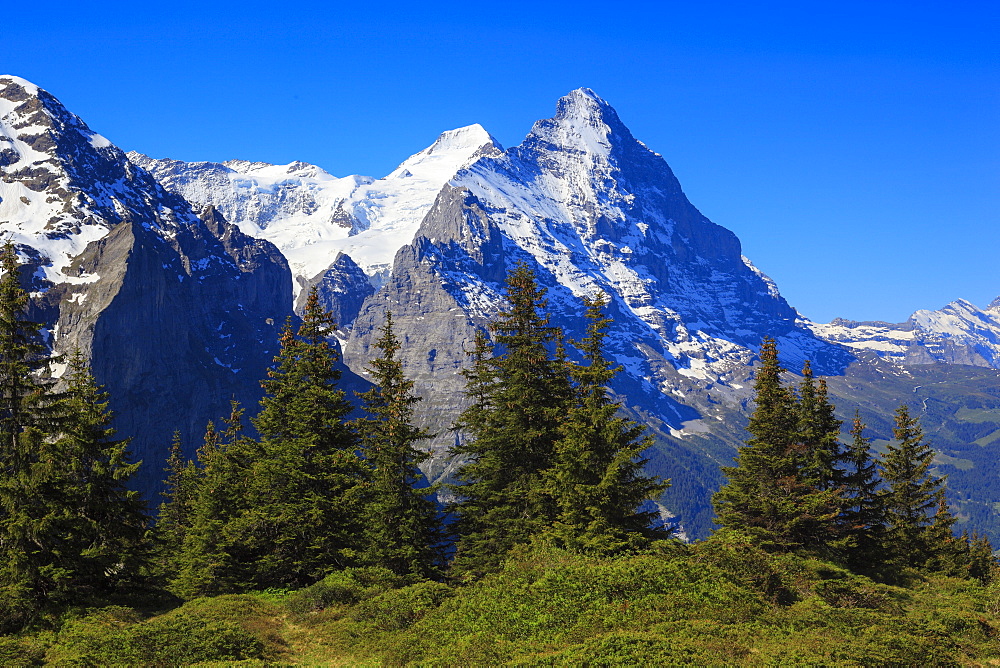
(171, 640)
(210, 629)
(343, 587)
(400, 608)
(22, 652)
(630, 649)
(856, 592)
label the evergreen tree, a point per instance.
(947, 553)
(174, 514)
(773, 493)
(307, 492)
(819, 433)
(69, 527)
(912, 493)
(980, 563)
(864, 514)
(28, 414)
(103, 524)
(520, 394)
(213, 559)
(596, 479)
(403, 531)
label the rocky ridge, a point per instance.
(959, 333)
(175, 310)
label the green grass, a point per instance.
(718, 602)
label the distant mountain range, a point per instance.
(174, 278)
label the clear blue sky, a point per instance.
(854, 147)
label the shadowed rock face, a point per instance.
(178, 313)
(342, 289)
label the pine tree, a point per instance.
(520, 395)
(864, 514)
(981, 564)
(404, 533)
(912, 492)
(104, 526)
(819, 433)
(208, 562)
(947, 553)
(307, 493)
(773, 493)
(29, 413)
(174, 514)
(596, 479)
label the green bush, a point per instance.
(343, 587)
(22, 652)
(400, 608)
(631, 649)
(202, 630)
(163, 641)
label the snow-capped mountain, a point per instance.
(313, 216)
(176, 311)
(591, 209)
(959, 333)
(174, 277)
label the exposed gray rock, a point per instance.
(342, 289)
(177, 313)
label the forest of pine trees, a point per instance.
(308, 486)
(796, 488)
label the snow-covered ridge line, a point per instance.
(312, 216)
(958, 333)
(64, 186)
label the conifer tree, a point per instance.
(947, 553)
(520, 395)
(772, 493)
(70, 529)
(596, 479)
(307, 491)
(213, 558)
(912, 492)
(819, 433)
(104, 526)
(980, 563)
(180, 490)
(864, 514)
(28, 414)
(404, 533)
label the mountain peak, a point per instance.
(581, 102)
(450, 152)
(584, 107)
(584, 123)
(472, 136)
(12, 88)
(994, 305)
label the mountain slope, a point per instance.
(176, 311)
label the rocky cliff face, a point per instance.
(177, 312)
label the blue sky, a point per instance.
(854, 147)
